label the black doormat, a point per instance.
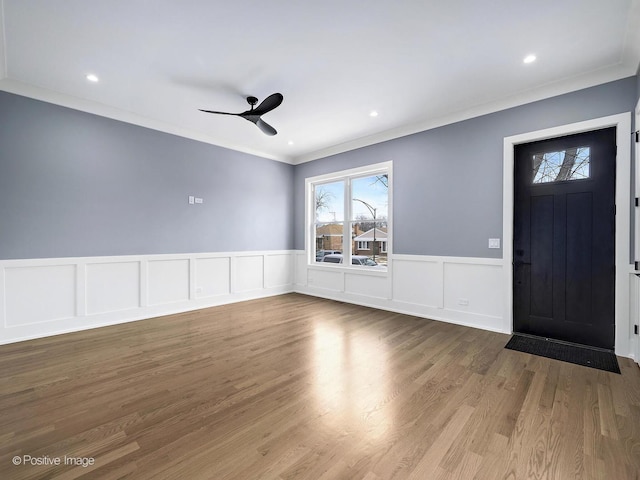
(566, 352)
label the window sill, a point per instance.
(375, 272)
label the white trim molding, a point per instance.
(567, 85)
(345, 176)
(460, 290)
(3, 44)
(96, 108)
(635, 280)
(622, 122)
(50, 296)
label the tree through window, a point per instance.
(570, 164)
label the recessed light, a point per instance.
(373, 113)
(290, 142)
(529, 59)
(92, 78)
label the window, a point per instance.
(569, 164)
(348, 213)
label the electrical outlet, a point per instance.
(199, 200)
(191, 199)
(463, 302)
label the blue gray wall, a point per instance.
(76, 184)
(447, 185)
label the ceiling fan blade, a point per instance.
(268, 104)
(253, 116)
(265, 127)
(261, 124)
(220, 113)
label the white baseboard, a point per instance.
(459, 290)
(483, 322)
(43, 297)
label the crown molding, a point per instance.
(100, 109)
(592, 79)
(598, 77)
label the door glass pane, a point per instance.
(560, 166)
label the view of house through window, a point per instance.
(351, 219)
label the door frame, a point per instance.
(635, 312)
(622, 122)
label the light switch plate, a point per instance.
(494, 243)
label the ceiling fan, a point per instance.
(253, 115)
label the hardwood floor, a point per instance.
(294, 387)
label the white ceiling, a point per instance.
(418, 63)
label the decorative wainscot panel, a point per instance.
(41, 297)
(461, 290)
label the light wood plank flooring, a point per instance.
(294, 387)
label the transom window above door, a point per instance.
(561, 166)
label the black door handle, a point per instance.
(518, 263)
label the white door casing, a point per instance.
(622, 122)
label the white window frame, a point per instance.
(385, 168)
(363, 245)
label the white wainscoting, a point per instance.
(42, 297)
(460, 290)
(634, 313)
(465, 291)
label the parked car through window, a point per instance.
(355, 260)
